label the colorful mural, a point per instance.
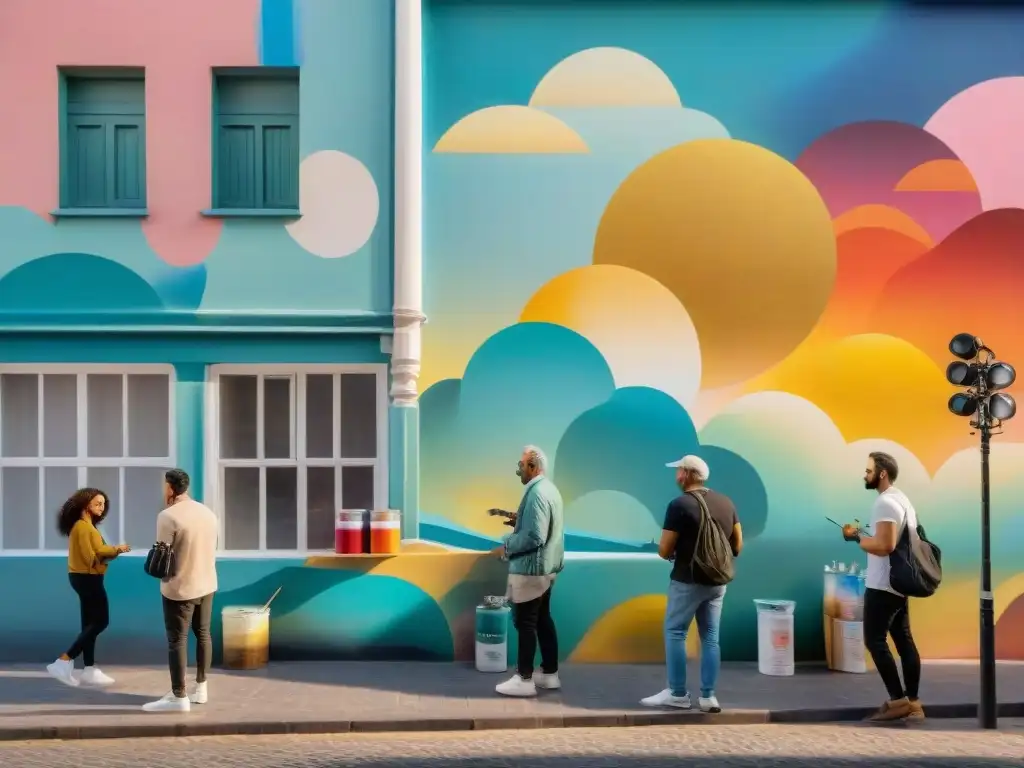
(652, 228)
(663, 227)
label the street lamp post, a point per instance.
(983, 376)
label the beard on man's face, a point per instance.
(871, 484)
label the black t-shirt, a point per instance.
(683, 517)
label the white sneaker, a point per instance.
(709, 705)
(169, 703)
(547, 682)
(63, 671)
(94, 676)
(666, 699)
(199, 694)
(516, 686)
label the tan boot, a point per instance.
(891, 711)
(916, 712)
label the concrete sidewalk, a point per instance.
(337, 697)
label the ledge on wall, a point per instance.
(100, 213)
(252, 213)
(198, 322)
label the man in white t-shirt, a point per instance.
(885, 610)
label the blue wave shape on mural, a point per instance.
(75, 282)
(326, 613)
(181, 287)
(524, 385)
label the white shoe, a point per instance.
(94, 676)
(169, 703)
(709, 705)
(547, 682)
(199, 694)
(518, 687)
(63, 671)
(666, 699)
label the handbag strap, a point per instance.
(705, 516)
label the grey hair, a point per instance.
(535, 453)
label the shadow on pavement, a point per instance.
(19, 691)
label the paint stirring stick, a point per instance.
(267, 606)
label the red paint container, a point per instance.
(348, 532)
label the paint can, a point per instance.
(492, 620)
(245, 632)
(348, 532)
(385, 531)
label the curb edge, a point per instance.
(424, 725)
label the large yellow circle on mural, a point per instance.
(740, 236)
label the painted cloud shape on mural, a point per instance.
(600, 99)
(540, 383)
(510, 129)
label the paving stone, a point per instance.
(935, 745)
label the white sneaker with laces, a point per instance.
(666, 699)
(518, 687)
(94, 676)
(63, 671)
(547, 682)
(169, 703)
(199, 694)
(709, 705)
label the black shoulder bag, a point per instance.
(915, 566)
(160, 562)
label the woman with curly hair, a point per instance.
(88, 556)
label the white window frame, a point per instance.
(215, 465)
(82, 461)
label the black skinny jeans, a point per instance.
(95, 613)
(885, 614)
(178, 616)
(534, 624)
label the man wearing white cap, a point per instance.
(701, 536)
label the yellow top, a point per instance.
(87, 552)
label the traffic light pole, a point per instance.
(987, 707)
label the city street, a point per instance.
(945, 743)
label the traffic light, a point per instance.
(983, 376)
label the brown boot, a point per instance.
(916, 712)
(891, 711)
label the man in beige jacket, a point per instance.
(191, 530)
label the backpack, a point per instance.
(712, 552)
(915, 566)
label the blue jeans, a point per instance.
(686, 601)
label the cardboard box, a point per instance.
(844, 646)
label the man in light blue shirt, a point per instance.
(535, 551)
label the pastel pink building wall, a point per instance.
(177, 42)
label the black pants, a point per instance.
(534, 624)
(885, 614)
(178, 617)
(95, 612)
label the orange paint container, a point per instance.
(385, 531)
